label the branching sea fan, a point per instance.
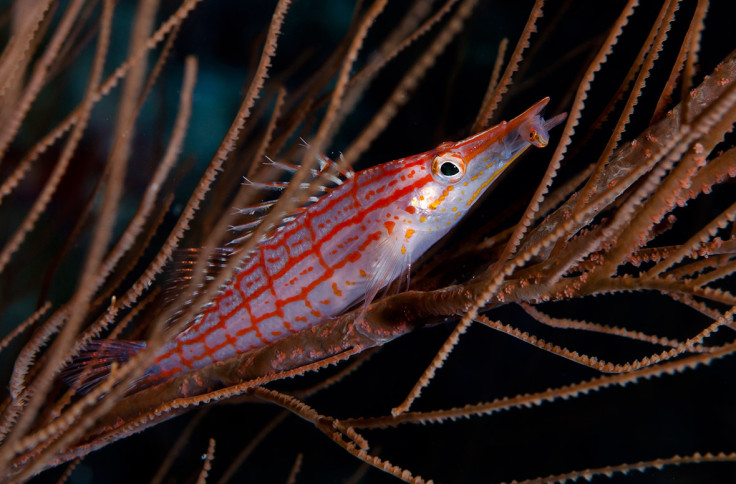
(579, 323)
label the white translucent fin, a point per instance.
(94, 363)
(326, 169)
(400, 284)
(330, 174)
(180, 273)
(393, 266)
(276, 186)
(256, 208)
(327, 165)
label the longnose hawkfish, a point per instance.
(354, 240)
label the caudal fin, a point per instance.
(95, 361)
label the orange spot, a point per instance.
(389, 226)
(409, 233)
(411, 209)
(335, 290)
(301, 319)
(276, 333)
(316, 314)
(363, 273)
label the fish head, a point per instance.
(462, 171)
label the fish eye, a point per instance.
(448, 167)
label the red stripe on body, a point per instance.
(365, 178)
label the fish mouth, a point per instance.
(473, 146)
(539, 140)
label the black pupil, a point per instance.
(449, 169)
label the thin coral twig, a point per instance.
(656, 205)
(493, 83)
(295, 469)
(641, 466)
(35, 83)
(69, 418)
(173, 150)
(25, 325)
(207, 466)
(17, 53)
(653, 44)
(598, 328)
(530, 28)
(104, 88)
(335, 431)
(408, 83)
(696, 23)
(526, 400)
(609, 367)
(179, 444)
(698, 239)
(68, 471)
(363, 77)
(226, 146)
(169, 407)
(65, 338)
(528, 216)
(572, 121)
(328, 124)
(252, 445)
(692, 55)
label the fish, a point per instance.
(350, 243)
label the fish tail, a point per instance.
(94, 362)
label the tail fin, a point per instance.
(95, 361)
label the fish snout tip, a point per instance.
(539, 139)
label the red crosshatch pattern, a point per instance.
(288, 284)
(354, 240)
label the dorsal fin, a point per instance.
(331, 173)
(180, 274)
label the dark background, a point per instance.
(678, 414)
